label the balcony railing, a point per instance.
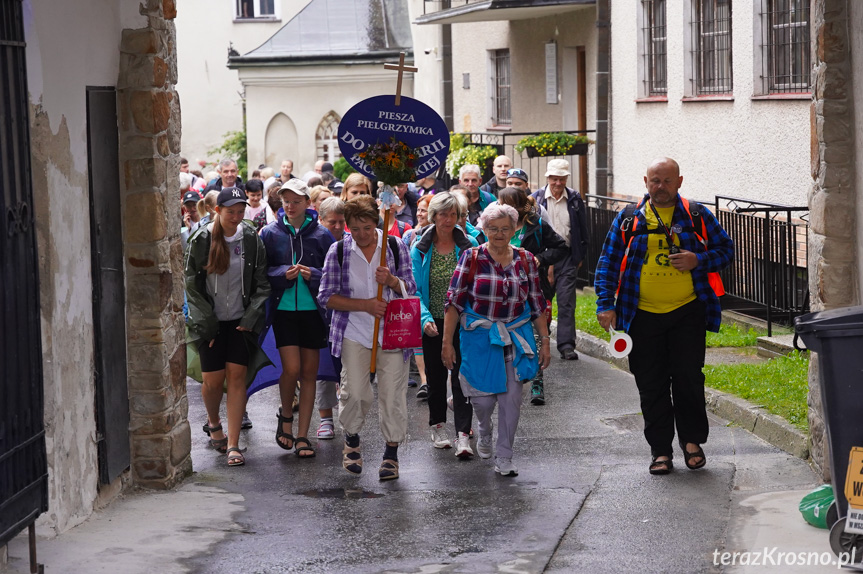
(768, 277)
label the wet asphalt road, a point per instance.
(583, 500)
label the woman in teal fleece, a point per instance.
(434, 257)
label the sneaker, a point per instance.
(505, 467)
(462, 449)
(439, 437)
(537, 395)
(247, 422)
(326, 430)
(484, 447)
(412, 383)
(423, 392)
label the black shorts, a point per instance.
(304, 329)
(229, 347)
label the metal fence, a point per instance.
(768, 278)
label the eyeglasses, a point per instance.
(516, 172)
(498, 230)
(293, 203)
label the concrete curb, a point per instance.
(769, 427)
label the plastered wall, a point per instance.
(70, 45)
(742, 148)
(210, 92)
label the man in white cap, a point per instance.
(568, 217)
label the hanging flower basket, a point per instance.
(577, 149)
(549, 144)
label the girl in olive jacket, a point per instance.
(227, 289)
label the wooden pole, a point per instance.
(384, 244)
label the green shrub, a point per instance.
(342, 169)
(461, 153)
(234, 147)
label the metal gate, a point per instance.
(23, 462)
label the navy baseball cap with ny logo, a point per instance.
(231, 196)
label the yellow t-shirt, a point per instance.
(663, 288)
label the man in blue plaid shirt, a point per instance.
(652, 281)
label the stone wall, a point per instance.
(149, 123)
(832, 199)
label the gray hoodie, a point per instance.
(227, 289)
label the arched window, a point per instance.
(327, 138)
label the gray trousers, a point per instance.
(508, 413)
(325, 392)
(564, 290)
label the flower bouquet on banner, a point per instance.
(394, 140)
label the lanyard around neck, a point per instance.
(669, 235)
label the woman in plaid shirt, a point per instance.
(349, 287)
(493, 297)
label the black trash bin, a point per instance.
(837, 336)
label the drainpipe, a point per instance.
(603, 93)
(447, 85)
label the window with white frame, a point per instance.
(500, 83)
(653, 48)
(326, 138)
(710, 48)
(784, 47)
(251, 9)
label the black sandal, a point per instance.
(235, 457)
(661, 466)
(221, 445)
(281, 434)
(301, 440)
(697, 454)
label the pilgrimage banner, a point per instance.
(377, 119)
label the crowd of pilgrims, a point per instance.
(284, 271)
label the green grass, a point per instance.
(734, 336)
(779, 385)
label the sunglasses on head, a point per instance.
(516, 171)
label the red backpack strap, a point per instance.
(523, 258)
(626, 235)
(713, 278)
(471, 273)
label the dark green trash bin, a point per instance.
(837, 336)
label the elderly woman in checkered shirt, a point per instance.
(493, 298)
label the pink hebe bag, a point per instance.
(402, 323)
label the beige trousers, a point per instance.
(357, 393)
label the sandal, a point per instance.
(221, 444)
(281, 434)
(661, 466)
(327, 430)
(304, 446)
(697, 454)
(389, 469)
(352, 460)
(235, 457)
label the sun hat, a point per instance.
(557, 167)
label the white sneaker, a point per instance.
(484, 447)
(439, 436)
(462, 449)
(505, 467)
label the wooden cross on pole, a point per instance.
(401, 69)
